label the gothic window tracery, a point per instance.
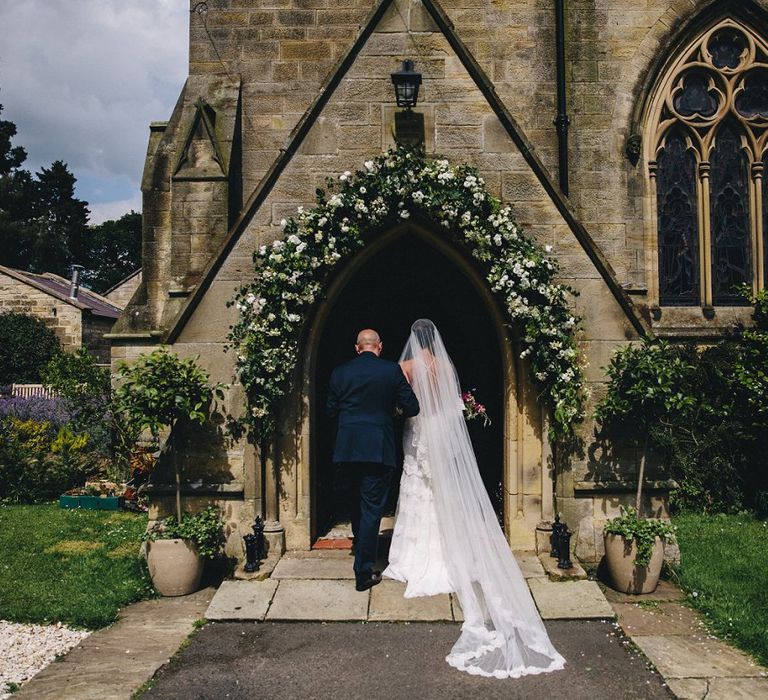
(707, 163)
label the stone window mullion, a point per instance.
(705, 236)
(758, 235)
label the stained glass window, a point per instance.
(677, 223)
(695, 97)
(727, 47)
(729, 212)
(708, 120)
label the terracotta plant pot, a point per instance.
(628, 578)
(175, 566)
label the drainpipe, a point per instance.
(561, 121)
(74, 286)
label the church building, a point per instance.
(629, 138)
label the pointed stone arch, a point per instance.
(527, 469)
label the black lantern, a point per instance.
(406, 82)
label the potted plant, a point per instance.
(177, 550)
(155, 393)
(634, 551)
(644, 383)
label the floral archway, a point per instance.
(292, 273)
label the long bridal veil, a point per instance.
(502, 634)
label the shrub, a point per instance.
(703, 411)
(38, 462)
(86, 392)
(26, 347)
(53, 411)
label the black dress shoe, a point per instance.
(363, 584)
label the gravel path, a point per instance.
(27, 649)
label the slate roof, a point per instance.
(58, 287)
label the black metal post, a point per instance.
(554, 538)
(258, 533)
(561, 120)
(251, 558)
(564, 550)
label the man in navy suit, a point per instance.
(364, 395)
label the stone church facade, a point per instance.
(664, 213)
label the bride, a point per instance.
(447, 538)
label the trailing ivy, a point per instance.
(402, 183)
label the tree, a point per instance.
(159, 390)
(60, 221)
(26, 347)
(115, 251)
(644, 389)
(15, 199)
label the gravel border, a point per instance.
(27, 649)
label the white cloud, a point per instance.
(83, 79)
(113, 210)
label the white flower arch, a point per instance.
(292, 272)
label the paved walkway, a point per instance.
(112, 663)
(320, 586)
(695, 664)
(319, 658)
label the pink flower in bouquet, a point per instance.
(473, 409)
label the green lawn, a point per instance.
(724, 571)
(71, 566)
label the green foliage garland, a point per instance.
(292, 273)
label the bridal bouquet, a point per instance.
(473, 409)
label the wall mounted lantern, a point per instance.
(406, 82)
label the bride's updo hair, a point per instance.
(424, 330)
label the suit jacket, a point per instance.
(363, 395)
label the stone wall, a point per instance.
(122, 293)
(259, 64)
(62, 318)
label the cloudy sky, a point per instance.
(82, 79)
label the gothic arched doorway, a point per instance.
(406, 278)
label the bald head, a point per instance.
(368, 341)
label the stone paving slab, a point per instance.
(665, 591)
(242, 600)
(737, 689)
(569, 600)
(318, 600)
(458, 614)
(314, 568)
(111, 663)
(388, 605)
(679, 656)
(660, 619)
(529, 564)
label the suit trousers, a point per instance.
(371, 483)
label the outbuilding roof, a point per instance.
(58, 287)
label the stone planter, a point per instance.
(625, 576)
(175, 566)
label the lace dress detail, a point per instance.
(416, 555)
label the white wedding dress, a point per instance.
(447, 537)
(416, 554)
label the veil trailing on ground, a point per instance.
(502, 634)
